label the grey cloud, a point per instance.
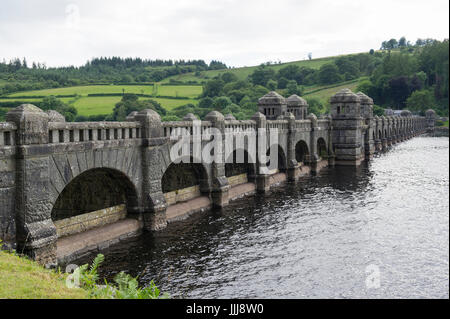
(238, 32)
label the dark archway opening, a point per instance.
(301, 152)
(322, 150)
(94, 190)
(281, 163)
(183, 175)
(238, 164)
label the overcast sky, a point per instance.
(237, 32)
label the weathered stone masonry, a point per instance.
(81, 176)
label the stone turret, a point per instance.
(388, 112)
(406, 113)
(297, 106)
(430, 116)
(35, 231)
(348, 137)
(32, 124)
(345, 104)
(230, 117)
(131, 116)
(272, 105)
(366, 105)
(55, 117)
(367, 113)
(190, 117)
(150, 123)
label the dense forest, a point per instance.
(400, 75)
(20, 76)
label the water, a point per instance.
(325, 236)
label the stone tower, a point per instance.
(430, 115)
(297, 106)
(348, 138)
(272, 105)
(367, 115)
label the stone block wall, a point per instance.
(181, 195)
(237, 179)
(84, 222)
(7, 184)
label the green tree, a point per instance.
(433, 60)
(315, 106)
(292, 88)
(126, 78)
(262, 75)
(213, 87)
(329, 74)
(378, 110)
(348, 67)
(272, 84)
(130, 103)
(206, 102)
(228, 77)
(402, 42)
(221, 102)
(52, 103)
(420, 101)
(392, 44)
(289, 72)
(282, 82)
(367, 88)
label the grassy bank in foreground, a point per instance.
(21, 278)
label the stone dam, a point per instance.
(67, 189)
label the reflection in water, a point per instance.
(315, 238)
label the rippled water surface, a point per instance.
(323, 236)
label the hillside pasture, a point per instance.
(105, 104)
(163, 90)
(327, 92)
(243, 72)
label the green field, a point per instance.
(105, 104)
(324, 93)
(93, 105)
(175, 90)
(96, 105)
(244, 72)
(179, 90)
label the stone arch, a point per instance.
(183, 175)
(92, 190)
(301, 151)
(248, 166)
(322, 149)
(282, 159)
